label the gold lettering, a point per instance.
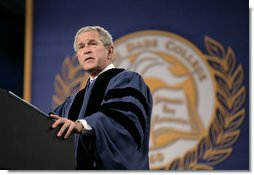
(183, 53)
(141, 44)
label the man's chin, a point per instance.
(92, 71)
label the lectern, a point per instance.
(27, 141)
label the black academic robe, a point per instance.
(119, 111)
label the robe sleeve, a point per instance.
(122, 125)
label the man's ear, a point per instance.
(110, 52)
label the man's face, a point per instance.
(93, 56)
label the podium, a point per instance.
(27, 141)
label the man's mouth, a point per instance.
(89, 58)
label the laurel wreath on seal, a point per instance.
(71, 80)
(224, 130)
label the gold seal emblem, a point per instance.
(198, 98)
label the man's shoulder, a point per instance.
(118, 73)
(128, 76)
(126, 72)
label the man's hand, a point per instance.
(68, 126)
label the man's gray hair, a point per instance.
(105, 36)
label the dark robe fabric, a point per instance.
(118, 109)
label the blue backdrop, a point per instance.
(56, 22)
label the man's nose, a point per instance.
(87, 51)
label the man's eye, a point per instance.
(80, 47)
(93, 43)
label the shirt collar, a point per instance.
(110, 66)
